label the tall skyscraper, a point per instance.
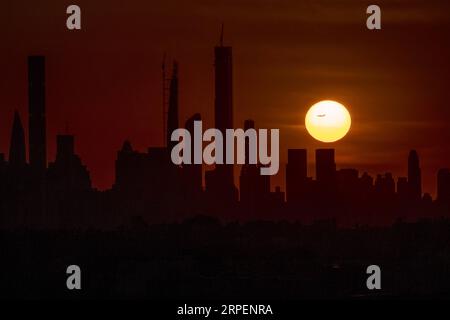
(325, 166)
(414, 175)
(17, 153)
(223, 104)
(296, 174)
(172, 113)
(36, 108)
(220, 182)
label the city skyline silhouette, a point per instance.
(110, 82)
(171, 120)
(158, 191)
(87, 178)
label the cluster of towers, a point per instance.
(33, 191)
(328, 179)
(150, 186)
(329, 194)
(37, 137)
(180, 189)
(37, 121)
(344, 190)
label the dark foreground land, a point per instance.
(202, 258)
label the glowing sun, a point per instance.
(328, 121)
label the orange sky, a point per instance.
(105, 79)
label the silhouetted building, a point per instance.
(67, 173)
(403, 189)
(172, 113)
(443, 186)
(366, 182)
(2, 161)
(36, 107)
(277, 198)
(254, 187)
(65, 147)
(385, 185)
(220, 181)
(296, 175)
(3, 191)
(131, 170)
(17, 153)
(366, 187)
(248, 124)
(248, 179)
(348, 182)
(192, 173)
(68, 186)
(3, 169)
(325, 166)
(427, 200)
(148, 184)
(414, 176)
(164, 184)
(223, 103)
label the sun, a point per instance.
(328, 121)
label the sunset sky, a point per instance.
(105, 80)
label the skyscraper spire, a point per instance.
(36, 105)
(172, 112)
(17, 156)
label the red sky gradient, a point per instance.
(105, 80)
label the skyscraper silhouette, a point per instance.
(172, 113)
(325, 166)
(296, 174)
(223, 104)
(248, 124)
(348, 181)
(17, 153)
(385, 185)
(443, 186)
(366, 183)
(67, 184)
(220, 182)
(254, 188)
(403, 189)
(36, 108)
(67, 173)
(193, 172)
(414, 175)
(65, 147)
